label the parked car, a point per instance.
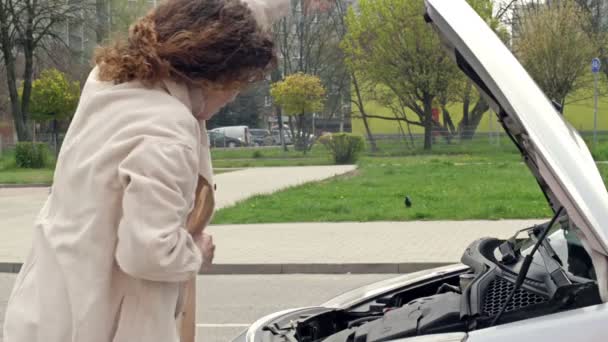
(241, 133)
(218, 139)
(261, 137)
(548, 285)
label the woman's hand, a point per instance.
(204, 242)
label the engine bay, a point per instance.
(460, 302)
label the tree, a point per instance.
(555, 49)
(25, 26)
(300, 95)
(54, 99)
(308, 41)
(596, 27)
(462, 90)
(389, 43)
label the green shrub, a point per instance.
(31, 155)
(344, 147)
(257, 154)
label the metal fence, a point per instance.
(478, 142)
(399, 144)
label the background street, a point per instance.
(227, 304)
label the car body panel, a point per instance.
(586, 324)
(449, 337)
(556, 154)
(356, 296)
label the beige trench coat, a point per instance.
(110, 252)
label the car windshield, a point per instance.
(568, 248)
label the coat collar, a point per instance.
(192, 98)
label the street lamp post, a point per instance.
(596, 65)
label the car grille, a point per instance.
(498, 292)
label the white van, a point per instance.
(237, 132)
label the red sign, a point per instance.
(435, 112)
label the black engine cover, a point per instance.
(435, 314)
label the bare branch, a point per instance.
(505, 9)
(370, 116)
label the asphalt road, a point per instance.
(228, 304)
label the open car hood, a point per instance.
(553, 150)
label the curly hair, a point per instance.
(204, 42)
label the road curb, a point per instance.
(19, 186)
(243, 269)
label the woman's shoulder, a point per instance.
(141, 109)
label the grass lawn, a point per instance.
(440, 187)
(26, 176)
(10, 174)
(268, 156)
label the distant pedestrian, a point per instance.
(111, 252)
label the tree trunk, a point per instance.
(281, 128)
(293, 133)
(275, 76)
(402, 132)
(56, 137)
(466, 104)
(476, 115)
(101, 27)
(6, 44)
(28, 74)
(301, 137)
(447, 121)
(370, 136)
(23, 133)
(409, 132)
(428, 122)
(468, 132)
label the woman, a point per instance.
(110, 252)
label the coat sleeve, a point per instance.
(267, 12)
(159, 182)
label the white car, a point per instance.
(548, 283)
(241, 133)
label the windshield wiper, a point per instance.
(525, 267)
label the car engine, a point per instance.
(456, 303)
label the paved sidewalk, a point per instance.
(19, 206)
(239, 185)
(372, 247)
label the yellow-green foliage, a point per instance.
(555, 48)
(299, 94)
(54, 97)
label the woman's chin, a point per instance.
(205, 116)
